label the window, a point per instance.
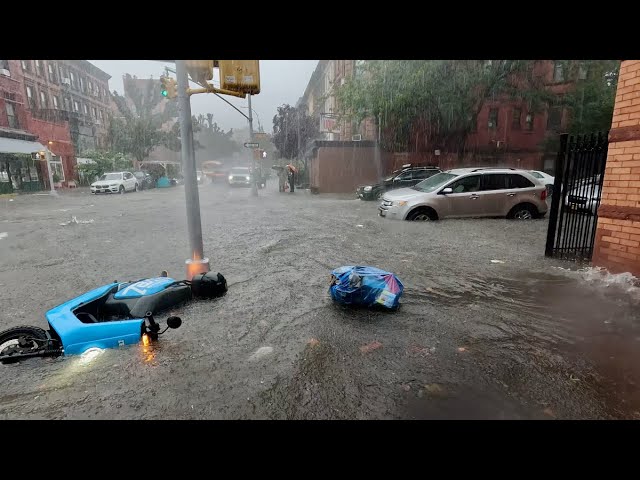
(518, 181)
(73, 79)
(85, 109)
(528, 121)
(101, 115)
(555, 118)
(30, 99)
(67, 103)
(56, 167)
(4, 64)
(82, 85)
(94, 112)
(404, 176)
(52, 72)
(493, 118)
(26, 65)
(494, 181)
(558, 71)
(56, 103)
(11, 115)
(39, 70)
(43, 100)
(466, 184)
(515, 122)
(422, 174)
(76, 106)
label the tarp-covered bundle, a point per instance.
(365, 286)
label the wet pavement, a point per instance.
(529, 338)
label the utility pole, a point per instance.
(254, 180)
(198, 263)
(47, 154)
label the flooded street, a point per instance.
(488, 327)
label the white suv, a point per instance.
(115, 182)
(469, 192)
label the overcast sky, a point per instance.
(281, 81)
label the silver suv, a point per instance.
(469, 192)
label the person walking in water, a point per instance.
(282, 179)
(291, 170)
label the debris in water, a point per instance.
(434, 389)
(76, 221)
(573, 379)
(313, 342)
(370, 347)
(497, 261)
(11, 199)
(462, 349)
(406, 388)
(359, 225)
(3, 235)
(549, 412)
(261, 352)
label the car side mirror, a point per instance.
(446, 191)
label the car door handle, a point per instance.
(474, 197)
(511, 194)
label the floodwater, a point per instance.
(526, 337)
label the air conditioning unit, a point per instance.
(356, 138)
(5, 72)
(66, 81)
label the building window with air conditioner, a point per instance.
(26, 65)
(30, 99)
(4, 68)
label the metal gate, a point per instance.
(579, 175)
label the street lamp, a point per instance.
(47, 153)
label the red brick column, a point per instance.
(617, 244)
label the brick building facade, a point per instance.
(617, 245)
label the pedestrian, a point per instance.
(291, 170)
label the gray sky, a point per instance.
(281, 81)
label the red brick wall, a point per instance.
(62, 145)
(617, 244)
(12, 87)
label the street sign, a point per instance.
(252, 145)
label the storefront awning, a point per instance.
(11, 145)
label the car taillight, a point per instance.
(543, 195)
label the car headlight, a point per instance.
(248, 177)
(230, 177)
(367, 189)
(400, 203)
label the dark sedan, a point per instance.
(145, 181)
(406, 177)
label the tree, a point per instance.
(438, 98)
(286, 124)
(103, 161)
(216, 143)
(137, 130)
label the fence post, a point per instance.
(557, 194)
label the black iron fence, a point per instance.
(577, 190)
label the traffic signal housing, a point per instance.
(169, 87)
(200, 71)
(240, 76)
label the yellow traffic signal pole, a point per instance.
(197, 263)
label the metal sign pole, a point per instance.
(47, 154)
(254, 182)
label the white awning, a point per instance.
(11, 145)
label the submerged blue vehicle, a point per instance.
(114, 315)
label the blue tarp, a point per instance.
(163, 182)
(365, 286)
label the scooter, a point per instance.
(114, 315)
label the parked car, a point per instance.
(544, 178)
(584, 196)
(116, 182)
(240, 176)
(405, 177)
(145, 181)
(469, 192)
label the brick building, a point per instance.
(61, 105)
(617, 245)
(507, 133)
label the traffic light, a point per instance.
(200, 70)
(264, 154)
(169, 87)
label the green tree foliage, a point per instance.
(217, 144)
(441, 98)
(286, 125)
(104, 161)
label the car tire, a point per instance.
(378, 195)
(121, 190)
(523, 211)
(136, 188)
(422, 214)
(549, 189)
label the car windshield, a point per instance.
(240, 171)
(432, 183)
(536, 174)
(139, 174)
(111, 176)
